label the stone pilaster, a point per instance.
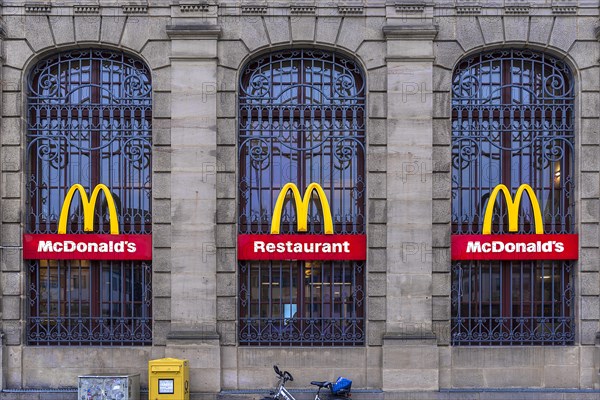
(5, 251)
(3, 360)
(193, 203)
(596, 373)
(410, 354)
(596, 369)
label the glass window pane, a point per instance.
(302, 120)
(89, 123)
(512, 124)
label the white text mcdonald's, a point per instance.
(87, 246)
(327, 246)
(514, 246)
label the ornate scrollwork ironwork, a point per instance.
(301, 116)
(89, 121)
(512, 123)
(301, 119)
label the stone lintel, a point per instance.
(410, 32)
(200, 31)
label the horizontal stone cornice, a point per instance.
(409, 59)
(200, 31)
(410, 32)
(192, 335)
(411, 338)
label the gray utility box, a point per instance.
(109, 387)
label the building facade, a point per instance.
(397, 128)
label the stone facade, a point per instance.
(408, 50)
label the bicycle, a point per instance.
(283, 394)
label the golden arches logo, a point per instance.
(513, 209)
(88, 208)
(302, 204)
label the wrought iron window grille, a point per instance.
(301, 120)
(512, 123)
(89, 116)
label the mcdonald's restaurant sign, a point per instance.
(87, 246)
(538, 246)
(327, 246)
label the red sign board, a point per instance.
(515, 247)
(302, 247)
(87, 247)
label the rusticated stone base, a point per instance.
(410, 362)
(203, 351)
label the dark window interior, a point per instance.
(301, 120)
(89, 123)
(512, 124)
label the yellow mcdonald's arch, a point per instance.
(302, 207)
(88, 208)
(513, 209)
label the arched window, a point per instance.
(512, 124)
(301, 120)
(89, 115)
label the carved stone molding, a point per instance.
(564, 10)
(351, 10)
(38, 8)
(254, 9)
(564, 7)
(468, 10)
(416, 7)
(517, 9)
(135, 8)
(303, 10)
(193, 7)
(86, 9)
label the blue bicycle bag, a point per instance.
(341, 386)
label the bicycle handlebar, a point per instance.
(285, 375)
(288, 376)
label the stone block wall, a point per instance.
(29, 35)
(569, 34)
(408, 52)
(246, 35)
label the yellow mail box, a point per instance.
(168, 379)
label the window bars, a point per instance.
(512, 124)
(89, 122)
(301, 120)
